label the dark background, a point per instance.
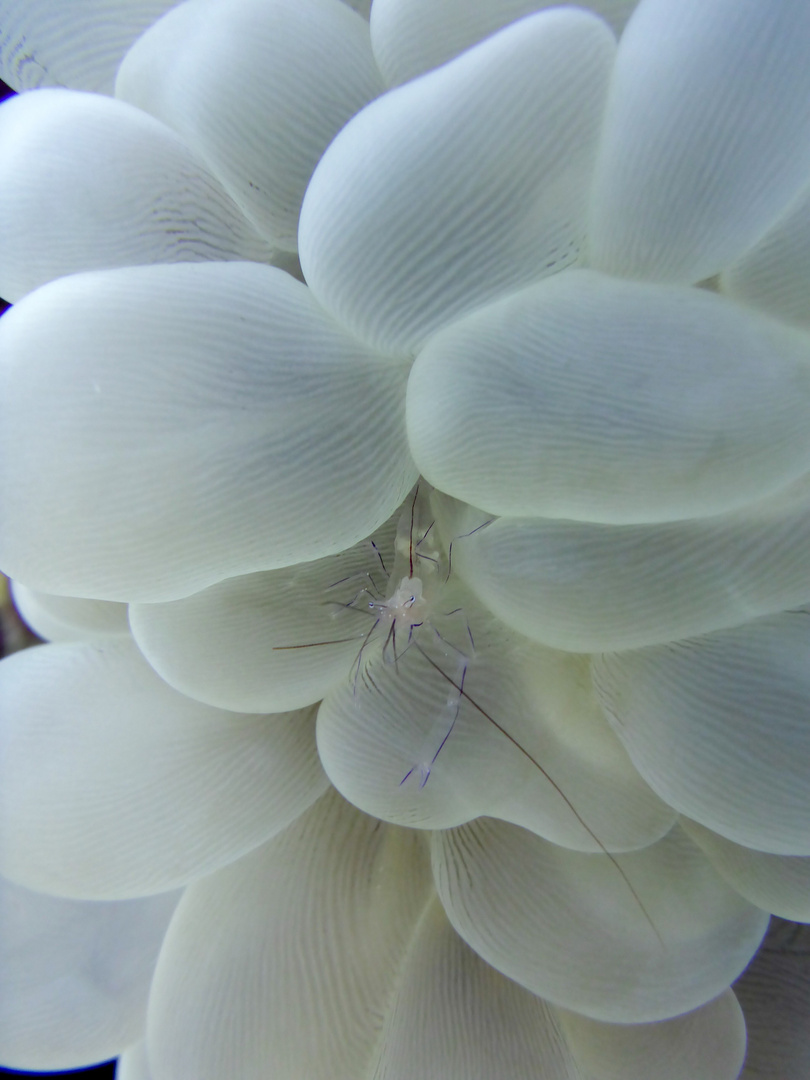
(103, 1072)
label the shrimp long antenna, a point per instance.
(359, 658)
(472, 532)
(379, 556)
(315, 644)
(425, 534)
(463, 693)
(410, 541)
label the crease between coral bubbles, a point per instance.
(5, 92)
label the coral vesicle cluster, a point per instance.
(405, 462)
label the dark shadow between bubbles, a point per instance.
(5, 91)
(101, 1072)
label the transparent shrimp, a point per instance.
(407, 597)
(407, 616)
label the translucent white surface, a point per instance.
(779, 884)
(271, 641)
(69, 618)
(706, 138)
(74, 976)
(718, 726)
(664, 935)
(287, 960)
(115, 785)
(596, 399)
(258, 88)
(461, 185)
(592, 587)
(446, 732)
(412, 36)
(774, 275)
(133, 1064)
(90, 183)
(457, 1018)
(185, 424)
(705, 1044)
(75, 43)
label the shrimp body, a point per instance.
(436, 724)
(406, 608)
(410, 616)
